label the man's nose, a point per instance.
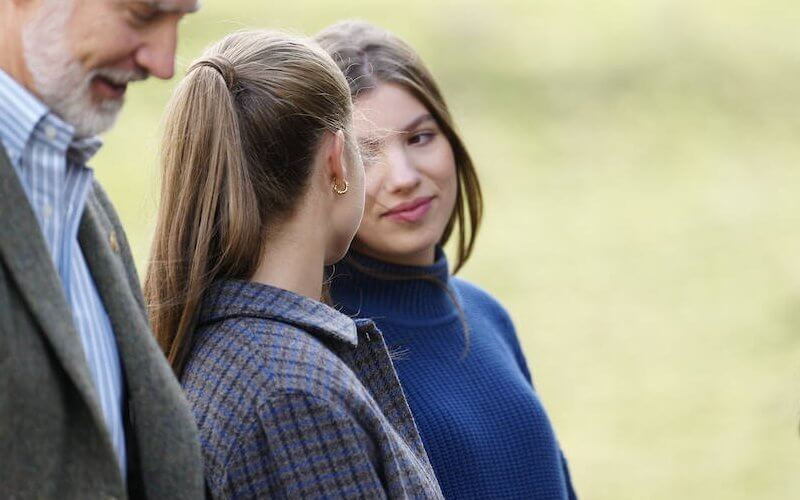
(157, 53)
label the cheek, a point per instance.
(372, 185)
(105, 40)
(443, 172)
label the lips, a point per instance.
(410, 211)
(108, 89)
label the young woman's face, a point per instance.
(411, 178)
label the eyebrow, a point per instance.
(371, 141)
(167, 6)
(416, 122)
(378, 139)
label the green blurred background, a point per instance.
(640, 163)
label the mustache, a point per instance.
(120, 76)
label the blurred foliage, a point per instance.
(640, 163)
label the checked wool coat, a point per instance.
(295, 400)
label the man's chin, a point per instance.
(96, 121)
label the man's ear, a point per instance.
(20, 12)
(22, 5)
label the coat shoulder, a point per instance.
(259, 358)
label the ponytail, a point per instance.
(205, 182)
(236, 158)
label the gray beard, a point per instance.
(60, 80)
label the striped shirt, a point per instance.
(50, 163)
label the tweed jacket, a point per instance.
(53, 441)
(294, 400)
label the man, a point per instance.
(88, 406)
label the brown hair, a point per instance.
(240, 133)
(368, 56)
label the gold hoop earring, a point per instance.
(340, 191)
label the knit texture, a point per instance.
(295, 400)
(482, 423)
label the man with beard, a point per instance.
(88, 406)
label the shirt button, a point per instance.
(47, 210)
(50, 132)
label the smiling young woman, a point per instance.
(412, 184)
(481, 421)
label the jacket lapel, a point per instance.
(24, 250)
(155, 399)
(100, 246)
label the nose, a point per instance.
(402, 174)
(157, 53)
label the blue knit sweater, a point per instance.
(484, 427)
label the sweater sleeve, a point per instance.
(571, 495)
(510, 333)
(303, 447)
(524, 367)
(568, 478)
(476, 299)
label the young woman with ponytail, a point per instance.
(262, 187)
(483, 425)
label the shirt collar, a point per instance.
(23, 118)
(233, 298)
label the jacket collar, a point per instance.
(234, 298)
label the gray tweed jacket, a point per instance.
(53, 443)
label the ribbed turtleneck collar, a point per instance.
(368, 287)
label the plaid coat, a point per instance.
(296, 400)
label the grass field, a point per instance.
(640, 162)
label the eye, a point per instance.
(421, 138)
(142, 12)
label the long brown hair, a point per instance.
(240, 133)
(369, 56)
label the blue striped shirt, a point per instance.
(51, 164)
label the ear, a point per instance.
(14, 15)
(25, 5)
(334, 164)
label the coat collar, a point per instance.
(234, 298)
